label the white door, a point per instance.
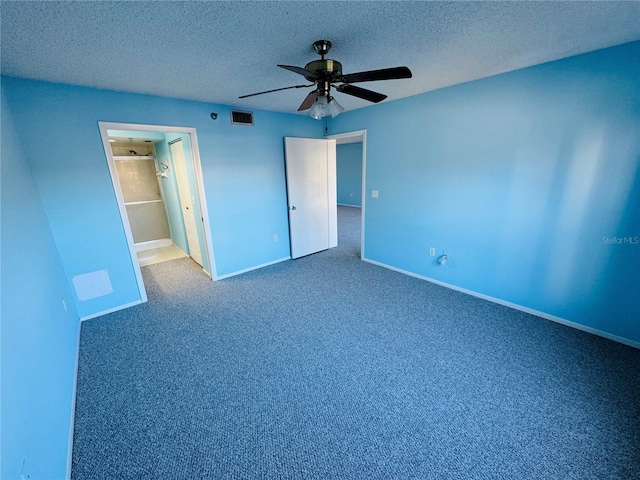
(311, 192)
(187, 201)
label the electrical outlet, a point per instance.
(432, 251)
(275, 238)
(374, 193)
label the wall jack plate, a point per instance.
(432, 252)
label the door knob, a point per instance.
(293, 208)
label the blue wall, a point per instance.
(521, 178)
(243, 171)
(349, 173)
(39, 339)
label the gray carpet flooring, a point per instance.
(328, 367)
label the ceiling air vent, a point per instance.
(241, 118)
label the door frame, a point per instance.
(195, 153)
(357, 136)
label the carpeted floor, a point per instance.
(328, 367)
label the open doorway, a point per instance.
(142, 177)
(157, 178)
(351, 196)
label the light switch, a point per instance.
(374, 193)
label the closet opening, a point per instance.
(157, 178)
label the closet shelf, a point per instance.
(141, 202)
(134, 157)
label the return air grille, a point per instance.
(241, 118)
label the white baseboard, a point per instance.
(150, 245)
(515, 306)
(72, 419)
(111, 310)
(348, 205)
(240, 272)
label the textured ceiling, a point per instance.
(217, 51)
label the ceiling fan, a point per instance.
(326, 73)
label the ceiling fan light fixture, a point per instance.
(334, 108)
(320, 108)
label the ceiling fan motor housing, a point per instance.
(327, 69)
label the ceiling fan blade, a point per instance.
(308, 74)
(363, 93)
(395, 73)
(275, 90)
(309, 101)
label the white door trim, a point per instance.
(104, 127)
(120, 199)
(357, 136)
